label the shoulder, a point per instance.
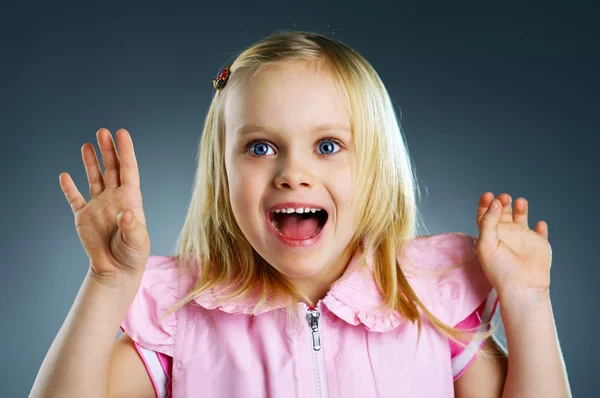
(440, 245)
(445, 272)
(160, 284)
(145, 321)
(435, 255)
(161, 266)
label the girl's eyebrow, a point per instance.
(251, 128)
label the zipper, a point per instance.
(313, 322)
(313, 317)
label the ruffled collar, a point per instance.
(354, 298)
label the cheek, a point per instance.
(236, 187)
(339, 182)
(238, 191)
(244, 192)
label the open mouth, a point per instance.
(298, 224)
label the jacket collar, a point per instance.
(354, 298)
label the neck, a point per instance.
(316, 287)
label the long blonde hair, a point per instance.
(383, 169)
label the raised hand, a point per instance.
(515, 258)
(112, 225)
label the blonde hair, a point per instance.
(212, 245)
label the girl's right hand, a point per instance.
(116, 249)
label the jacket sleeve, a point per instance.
(158, 292)
(447, 275)
(480, 320)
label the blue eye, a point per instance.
(260, 149)
(327, 147)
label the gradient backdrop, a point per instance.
(493, 97)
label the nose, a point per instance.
(293, 173)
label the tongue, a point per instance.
(297, 226)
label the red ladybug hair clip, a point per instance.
(220, 81)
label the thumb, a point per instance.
(133, 233)
(488, 228)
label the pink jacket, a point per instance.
(345, 347)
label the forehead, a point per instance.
(294, 97)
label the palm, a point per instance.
(96, 223)
(512, 255)
(115, 191)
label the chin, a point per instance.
(298, 268)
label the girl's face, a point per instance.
(289, 146)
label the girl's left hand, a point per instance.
(515, 259)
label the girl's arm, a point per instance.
(535, 363)
(84, 353)
(486, 376)
(128, 377)
(536, 366)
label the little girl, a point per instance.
(298, 272)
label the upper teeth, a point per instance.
(297, 210)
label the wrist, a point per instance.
(114, 283)
(109, 302)
(523, 301)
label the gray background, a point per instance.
(493, 97)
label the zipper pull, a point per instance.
(313, 321)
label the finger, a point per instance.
(76, 201)
(542, 229)
(92, 169)
(133, 232)
(521, 212)
(484, 203)
(488, 228)
(129, 170)
(109, 158)
(506, 207)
